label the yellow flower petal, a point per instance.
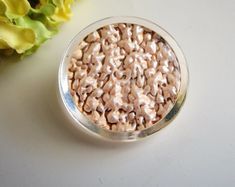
(16, 37)
(15, 9)
(63, 11)
(2, 8)
(41, 32)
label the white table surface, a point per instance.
(197, 149)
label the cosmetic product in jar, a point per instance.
(122, 79)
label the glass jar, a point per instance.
(80, 121)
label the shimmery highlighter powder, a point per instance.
(124, 77)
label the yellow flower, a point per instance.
(24, 28)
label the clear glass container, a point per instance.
(80, 121)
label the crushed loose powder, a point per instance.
(124, 77)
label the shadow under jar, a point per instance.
(122, 79)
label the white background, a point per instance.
(197, 149)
